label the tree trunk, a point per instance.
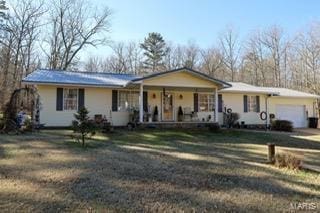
(83, 140)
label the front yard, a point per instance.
(153, 170)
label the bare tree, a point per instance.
(231, 51)
(274, 40)
(18, 42)
(93, 64)
(74, 25)
(175, 57)
(212, 62)
(191, 55)
(135, 58)
(255, 58)
(308, 55)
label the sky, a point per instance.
(202, 21)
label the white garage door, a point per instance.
(294, 113)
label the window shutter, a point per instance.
(220, 103)
(245, 103)
(145, 101)
(195, 102)
(81, 99)
(258, 103)
(59, 101)
(114, 100)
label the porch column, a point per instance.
(216, 110)
(141, 103)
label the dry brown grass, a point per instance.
(152, 171)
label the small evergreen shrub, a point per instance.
(287, 160)
(282, 125)
(83, 125)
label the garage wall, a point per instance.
(307, 103)
(235, 102)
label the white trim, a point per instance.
(70, 110)
(141, 103)
(204, 93)
(130, 92)
(216, 107)
(173, 107)
(267, 111)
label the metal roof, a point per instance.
(46, 76)
(239, 87)
(100, 79)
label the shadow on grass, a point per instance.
(114, 177)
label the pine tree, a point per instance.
(82, 124)
(155, 49)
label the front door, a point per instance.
(167, 107)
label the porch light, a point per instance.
(181, 96)
(154, 96)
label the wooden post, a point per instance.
(271, 152)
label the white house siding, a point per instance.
(97, 100)
(235, 102)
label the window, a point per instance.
(70, 99)
(252, 104)
(206, 102)
(128, 100)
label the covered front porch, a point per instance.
(174, 97)
(168, 105)
(182, 95)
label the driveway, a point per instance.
(308, 131)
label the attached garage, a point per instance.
(285, 104)
(294, 113)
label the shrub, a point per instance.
(231, 119)
(282, 125)
(287, 160)
(214, 127)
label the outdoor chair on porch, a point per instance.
(187, 114)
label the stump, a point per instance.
(271, 152)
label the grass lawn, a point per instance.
(168, 170)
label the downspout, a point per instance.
(267, 112)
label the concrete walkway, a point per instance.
(308, 131)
